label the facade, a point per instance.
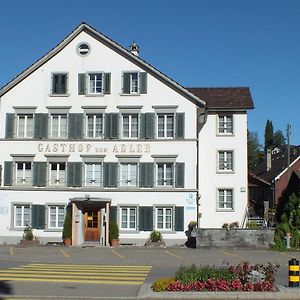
(94, 127)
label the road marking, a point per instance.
(118, 254)
(288, 255)
(172, 254)
(65, 253)
(230, 254)
(11, 251)
(88, 274)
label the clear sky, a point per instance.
(211, 43)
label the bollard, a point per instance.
(293, 272)
(288, 240)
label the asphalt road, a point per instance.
(89, 273)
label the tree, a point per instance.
(253, 149)
(279, 139)
(269, 135)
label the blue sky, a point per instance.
(212, 43)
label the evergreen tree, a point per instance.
(269, 135)
(253, 149)
(279, 139)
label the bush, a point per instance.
(67, 229)
(162, 284)
(252, 225)
(155, 236)
(113, 230)
(28, 234)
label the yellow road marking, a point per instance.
(172, 254)
(230, 254)
(11, 251)
(64, 253)
(87, 266)
(118, 254)
(74, 281)
(288, 255)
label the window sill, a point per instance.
(225, 134)
(135, 94)
(59, 95)
(225, 172)
(225, 210)
(94, 95)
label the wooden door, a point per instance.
(92, 225)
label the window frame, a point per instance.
(14, 218)
(129, 178)
(165, 125)
(94, 163)
(226, 162)
(130, 125)
(94, 115)
(23, 171)
(225, 122)
(128, 208)
(59, 126)
(57, 180)
(225, 190)
(26, 127)
(56, 94)
(172, 215)
(164, 179)
(88, 83)
(57, 206)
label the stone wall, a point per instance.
(234, 238)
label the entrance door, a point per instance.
(92, 225)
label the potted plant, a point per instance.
(28, 237)
(113, 233)
(67, 229)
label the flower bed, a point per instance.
(243, 277)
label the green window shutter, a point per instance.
(114, 126)
(107, 126)
(38, 216)
(180, 125)
(142, 126)
(143, 83)
(10, 126)
(179, 183)
(149, 125)
(39, 174)
(8, 173)
(40, 126)
(81, 83)
(145, 218)
(110, 174)
(113, 214)
(74, 174)
(107, 83)
(126, 83)
(179, 218)
(146, 175)
(75, 126)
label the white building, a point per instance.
(92, 125)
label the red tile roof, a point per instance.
(228, 98)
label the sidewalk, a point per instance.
(284, 293)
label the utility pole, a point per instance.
(288, 134)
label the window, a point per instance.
(95, 83)
(225, 125)
(225, 161)
(57, 173)
(94, 126)
(83, 49)
(59, 84)
(225, 199)
(21, 215)
(128, 174)
(165, 125)
(134, 83)
(93, 174)
(164, 174)
(23, 173)
(164, 218)
(128, 218)
(58, 126)
(56, 216)
(130, 125)
(25, 126)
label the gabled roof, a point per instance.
(114, 46)
(278, 164)
(224, 98)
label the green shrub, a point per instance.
(155, 236)
(252, 225)
(160, 285)
(113, 230)
(28, 234)
(67, 229)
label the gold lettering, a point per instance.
(88, 147)
(115, 149)
(47, 148)
(55, 147)
(72, 148)
(139, 148)
(80, 147)
(40, 147)
(123, 148)
(63, 147)
(131, 149)
(147, 148)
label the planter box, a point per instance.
(29, 243)
(234, 238)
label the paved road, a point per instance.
(84, 273)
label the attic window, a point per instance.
(83, 49)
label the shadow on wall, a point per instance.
(5, 289)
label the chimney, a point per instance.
(135, 49)
(269, 159)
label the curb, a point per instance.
(284, 293)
